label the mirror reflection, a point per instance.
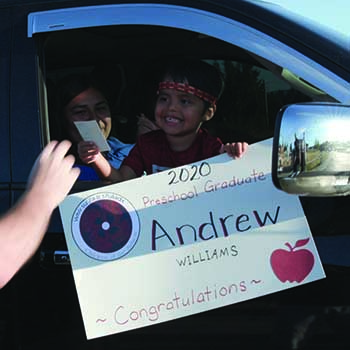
(313, 150)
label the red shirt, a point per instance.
(152, 154)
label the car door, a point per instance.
(4, 113)
(5, 169)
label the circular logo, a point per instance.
(105, 226)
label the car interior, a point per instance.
(126, 58)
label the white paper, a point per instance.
(90, 131)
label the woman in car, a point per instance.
(81, 99)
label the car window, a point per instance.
(261, 75)
(255, 88)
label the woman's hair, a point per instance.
(73, 85)
(197, 73)
(67, 89)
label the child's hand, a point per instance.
(234, 149)
(88, 151)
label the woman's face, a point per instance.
(88, 105)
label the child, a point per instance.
(187, 96)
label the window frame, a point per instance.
(223, 28)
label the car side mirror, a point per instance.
(311, 149)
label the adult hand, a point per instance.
(53, 175)
(145, 125)
(88, 151)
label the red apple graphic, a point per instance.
(292, 265)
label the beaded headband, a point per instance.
(188, 89)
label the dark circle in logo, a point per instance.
(105, 226)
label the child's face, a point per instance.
(178, 113)
(88, 105)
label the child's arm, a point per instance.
(90, 154)
(234, 149)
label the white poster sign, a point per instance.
(186, 240)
